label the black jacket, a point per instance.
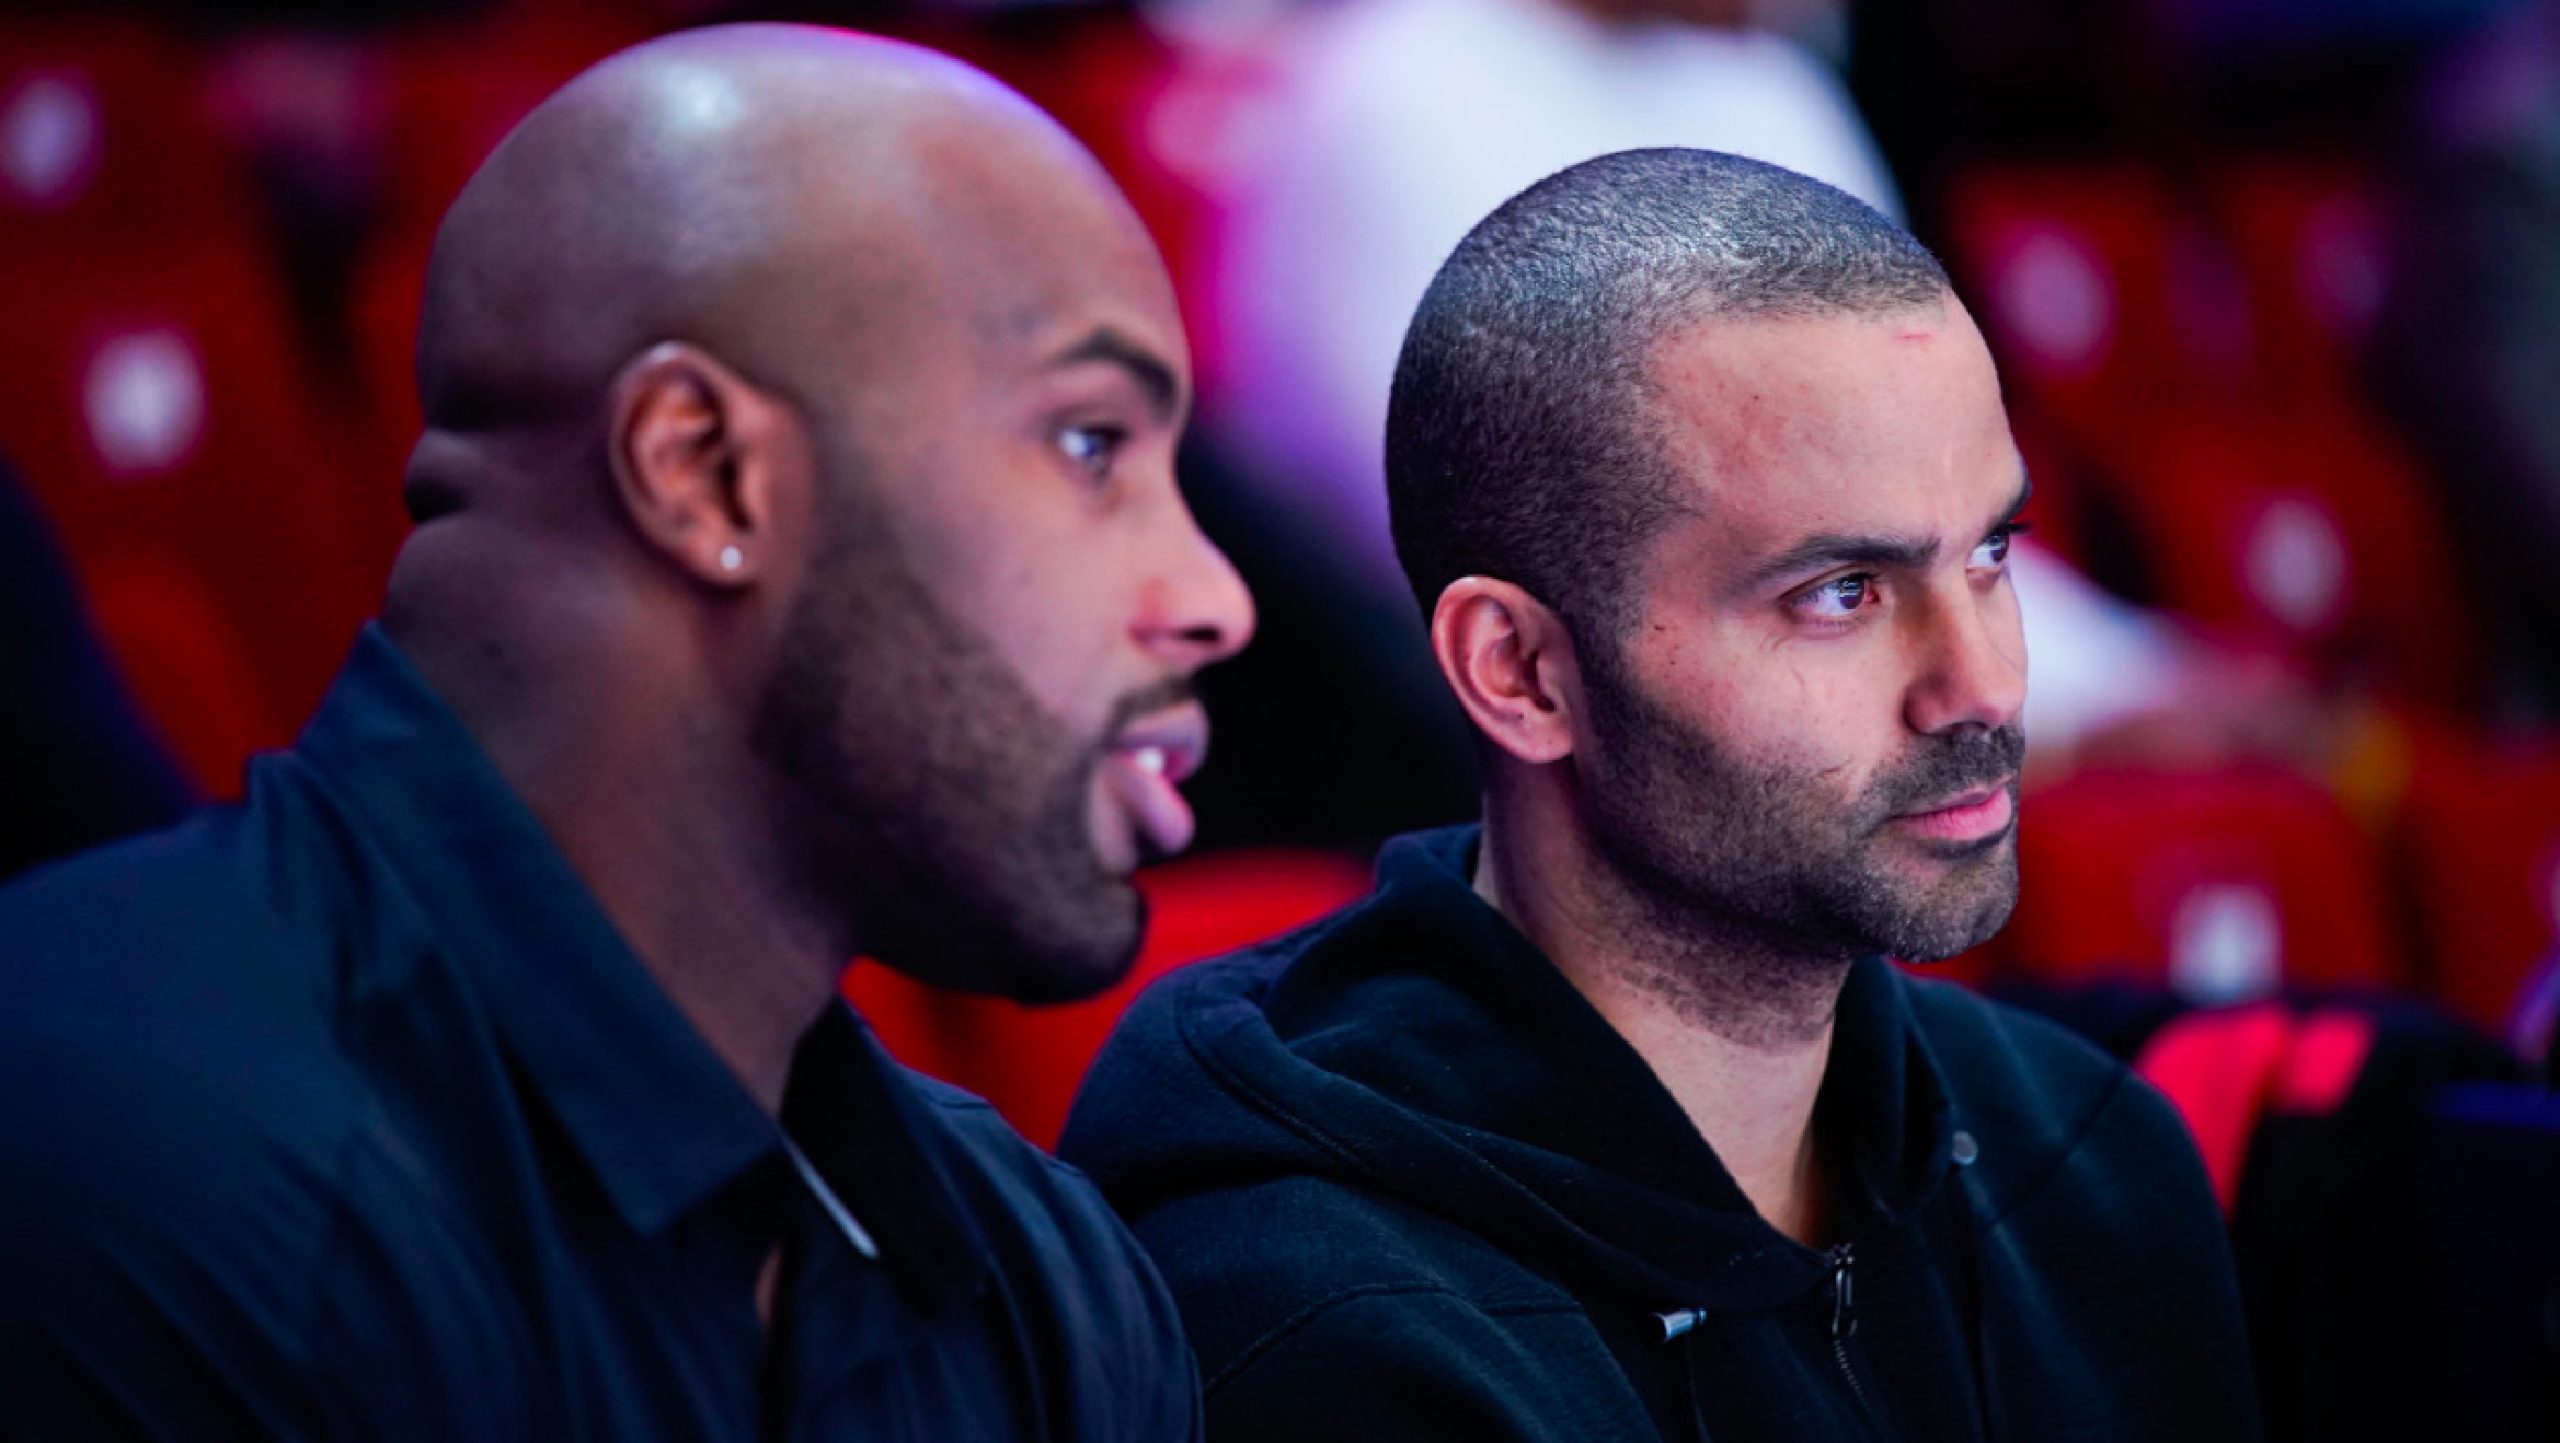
(346, 1113)
(1406, 1183)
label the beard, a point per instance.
(947, 809)
(1769, 863)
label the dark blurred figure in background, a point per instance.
(82, 766)
(798, 574)
(2468, 348)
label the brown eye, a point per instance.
(1838, 598)
(1994, 550)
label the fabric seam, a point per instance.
(2062, 1156)
(1298, 1321)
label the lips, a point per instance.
(1146, 763)
(1967, 816)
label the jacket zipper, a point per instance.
(1844, 1323)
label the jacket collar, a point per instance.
(1518, 1063)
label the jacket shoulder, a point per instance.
(216, 1222)
(1011, 1182)
(1320, 1310)
(2030, 1092)
(2062, 1129)
(1070, 1264)
(268, 891)
(137, 889)
(2104, 1249)
(1253, 1262)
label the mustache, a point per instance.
(1948, 764)
(1147, 700)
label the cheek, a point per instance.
(1052, 628)
(1829, 717)
(2008, 623)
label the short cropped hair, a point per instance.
(1520, 442)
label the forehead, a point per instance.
(1775, 429)
(1033, 246)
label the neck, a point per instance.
(1739, 1037)
(696, 897)
(652, 805)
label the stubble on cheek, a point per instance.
(955, 813)
(1744, 875)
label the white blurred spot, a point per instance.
(2225, 944)
(2053, 295)
(48, 141)
(2297, 563)
(145, 398)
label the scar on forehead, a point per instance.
(1916, 335)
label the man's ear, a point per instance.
(1511, 663)
(701, 461)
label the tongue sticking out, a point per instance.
(1139, 781)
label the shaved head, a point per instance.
(800, 409)
(774, 194)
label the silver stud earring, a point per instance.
(731, 558)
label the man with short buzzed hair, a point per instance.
(798, 573)
(1610, 1119)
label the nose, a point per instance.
(1973, 670)
(1197, 610)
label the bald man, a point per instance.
(798, 573)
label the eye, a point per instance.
(1993, 553)
(1092, 447)
(1838, 598)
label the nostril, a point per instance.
(1216, 641)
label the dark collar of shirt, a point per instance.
(660, 1119)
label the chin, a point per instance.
(1073, 980)
(1962, 931)
(1037, 955)
(1954, 916)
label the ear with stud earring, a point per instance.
(731, 558)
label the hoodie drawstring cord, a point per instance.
(1968, 1276)
(1686, 1325)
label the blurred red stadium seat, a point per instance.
(2226, 1068)
(458, 87)
(2309, 234)
(153, 398)
(2115, 296)
(2309, 531)
(1028, 1060)
(2479, 833)
(2190, 351)
(2222, 885)
(103, 133)
(382, 318)
(2068, 267)
(187, 663)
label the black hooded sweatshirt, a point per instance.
(1406, 1183)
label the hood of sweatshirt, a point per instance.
(1417, 1045)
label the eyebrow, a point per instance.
(1152, 373)
(1824, 550)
